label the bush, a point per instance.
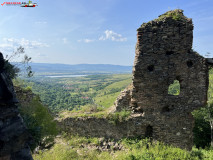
(202, 130)
(40, 123)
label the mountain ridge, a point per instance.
(57, 67)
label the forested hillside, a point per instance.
(75, 92)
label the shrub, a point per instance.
(40, 123)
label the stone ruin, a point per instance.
(164, 54)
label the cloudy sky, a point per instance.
(93, 31)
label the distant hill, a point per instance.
(66, 68)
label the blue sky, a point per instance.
(93, 31)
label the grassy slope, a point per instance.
(71, 149)
(103, 100)
(106, 98)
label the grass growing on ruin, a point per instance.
(81, 148)
(117, 117)
(113, 118)
(176, 14)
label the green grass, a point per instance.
(107, 96)
(113, 118)
(117, 117)
(176, 14)
(133, 149)
(106, 101)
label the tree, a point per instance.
(40, 123)
(209, 113)
(201, 128)
(14, 69)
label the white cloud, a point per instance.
(65, 40)
(6, 48)
(10, 44)
(41, 22)
(86, 40)
(110, 35)
(41, 55)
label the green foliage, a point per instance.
(203, 117)
(76, 140)
(118, 117)
(107, 96)
(14, 69)
(39, 122)
(133, 149)
(175, 14)
(59, 152)
(201, 129)
(69, 94)
(28, 88)
(174, 89)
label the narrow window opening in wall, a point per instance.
(149, 131)
(189, 64)
(165, 109)
(174, 88)
(151, 68)
(169, 53)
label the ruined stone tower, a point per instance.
(164, 54)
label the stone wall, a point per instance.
(136, 126)
(163, 54)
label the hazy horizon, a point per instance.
(76, 64)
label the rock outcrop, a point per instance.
(13, 133)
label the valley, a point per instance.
(75, 93)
